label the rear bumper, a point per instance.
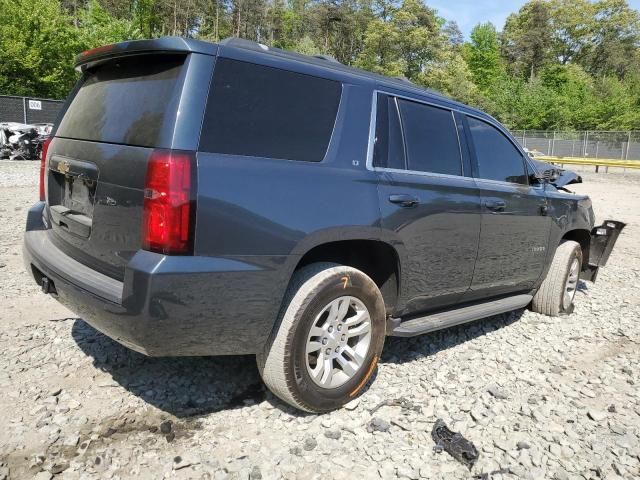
(166, 306)
(603, 239)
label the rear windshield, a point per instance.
(125, 101)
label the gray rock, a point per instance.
(378, 425)
(333, 434)
(404, 471)
(166, 427)
(71, 440)
(255, 474)
(387, 470)
(497, 392)
(309, 444)
(561, 475)
(41, 476)
(596, 415)
(183, 461)
(353, 404)
(57, 468)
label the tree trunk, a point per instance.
(175, 16)
(217, 30)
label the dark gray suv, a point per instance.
(213, 199)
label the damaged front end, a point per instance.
(558, 177)
(603, 239)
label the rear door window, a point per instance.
(261, 111)
(431, 138)
(388, 151)
(498, 159)
(126, 101)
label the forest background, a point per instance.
(556, 64)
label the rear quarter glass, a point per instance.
(259, 111)
(126, 101)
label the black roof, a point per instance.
(227, 46)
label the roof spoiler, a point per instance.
(168, 45)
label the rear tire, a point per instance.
(557, 292)
(323, 350)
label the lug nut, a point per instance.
(337, 349)
(339, 328)
(343, 338)
(328, 351)
(330, 329)
(324, 341)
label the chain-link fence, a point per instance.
(590, 144)
(28, 109)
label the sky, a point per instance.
(468, 13)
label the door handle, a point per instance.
(404, 200)
(495, 205)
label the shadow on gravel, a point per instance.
(193, 386)
(184, 386)
(400, 350)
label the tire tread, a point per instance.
(273, 359)
(548, 298)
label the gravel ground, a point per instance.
(539, 397)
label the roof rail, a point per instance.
(331, 62)
(328, 58)
(404, 79)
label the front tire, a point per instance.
(557, 292)
(327, 340)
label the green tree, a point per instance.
(406, 44)
(37, 47)
(527, 39)
(98, 27)
(482, 55)
(572, 23)
(615, 38)
(451, 76)
(556, 64)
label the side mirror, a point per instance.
(537, 178)
(546, 176)
(551, 175)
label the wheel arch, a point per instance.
(583, 237)
(379, 258)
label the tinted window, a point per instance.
(388, 149)
(267, 112)
(125, 101)
(431, 138)
(498, 159)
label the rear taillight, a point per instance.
(43, 167)
(169, 205)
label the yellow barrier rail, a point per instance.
(596, 162)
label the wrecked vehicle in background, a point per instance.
(19, 141)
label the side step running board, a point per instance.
(437, 321)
